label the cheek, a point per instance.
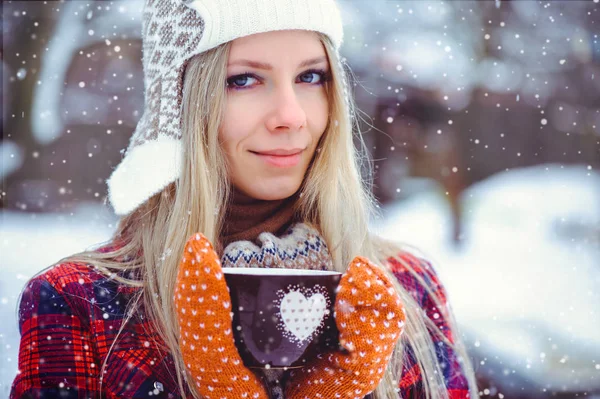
(228, 144)
(319, 116)
(233, 129)
(225, 140)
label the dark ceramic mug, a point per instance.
(282, 318)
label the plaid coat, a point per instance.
(70, 315)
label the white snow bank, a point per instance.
(524, 285)
(28, 244)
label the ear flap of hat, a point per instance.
(145, 171)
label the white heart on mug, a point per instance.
(302, 316)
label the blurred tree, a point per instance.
(78, 105)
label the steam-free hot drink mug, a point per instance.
(282, 318)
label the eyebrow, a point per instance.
(268, 67)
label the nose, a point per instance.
(287, 112)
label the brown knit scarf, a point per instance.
(247, 217)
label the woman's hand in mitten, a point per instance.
(370, 319)
(203, 306)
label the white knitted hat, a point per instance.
(172, 32)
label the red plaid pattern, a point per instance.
(411, 383)
(70, 315)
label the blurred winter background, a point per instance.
(486, 136)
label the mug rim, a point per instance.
(277, 271)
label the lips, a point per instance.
(280, 152)
(282, 161)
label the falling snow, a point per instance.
(529, 239)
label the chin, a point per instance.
(276, 193)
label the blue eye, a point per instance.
(237, 82)
(314, 73)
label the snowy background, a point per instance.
(524, 286)
(483, 118)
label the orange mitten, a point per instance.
(370, 318)
(204, 308)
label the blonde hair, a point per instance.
(335, 197)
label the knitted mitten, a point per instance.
(370, 319)
(203, 305)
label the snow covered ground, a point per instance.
(523, 285)
(29, 243)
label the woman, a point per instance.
(242, 164)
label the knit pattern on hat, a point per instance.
(172, 32)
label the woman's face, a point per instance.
(276, 106)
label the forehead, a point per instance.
(277, 46)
